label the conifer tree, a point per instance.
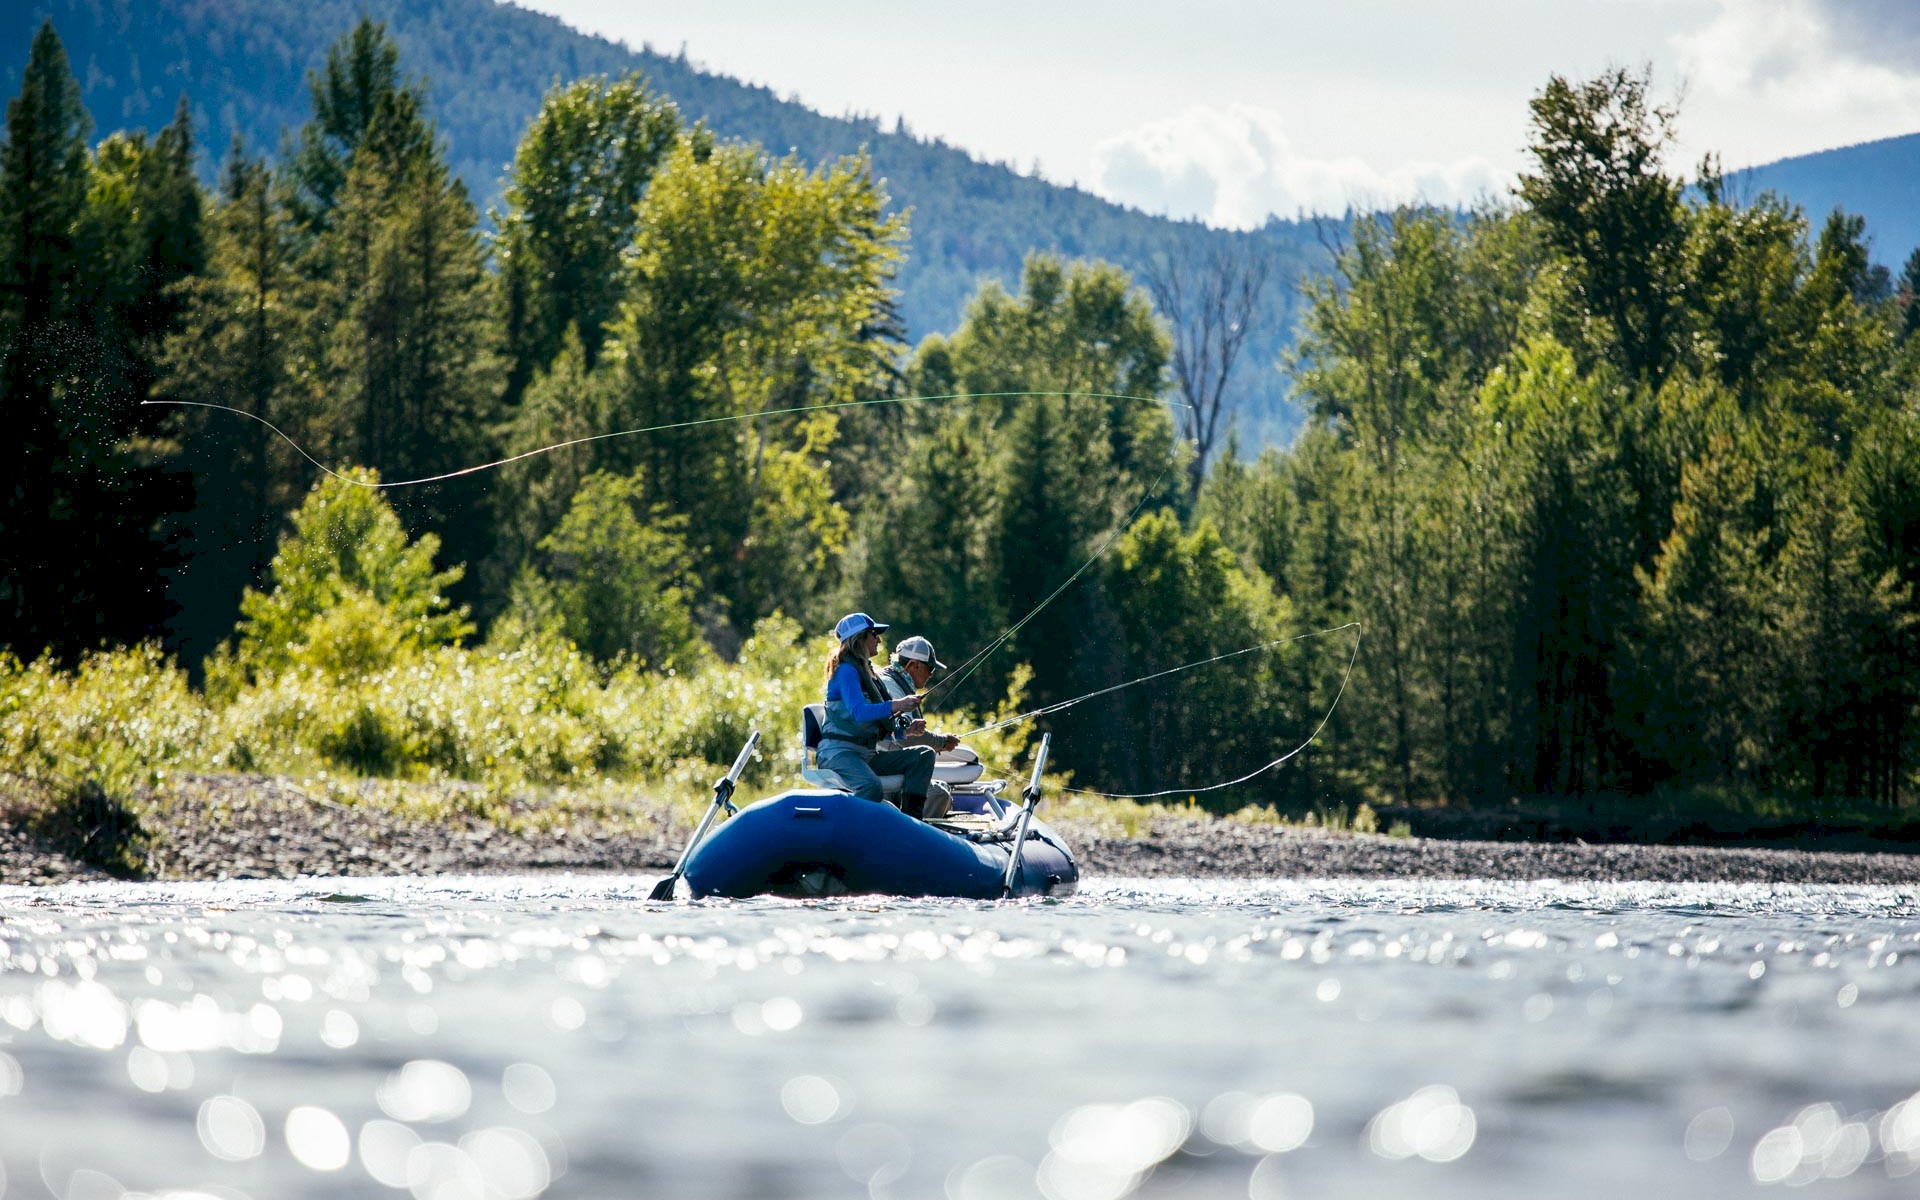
(400, 358)
(78, 248)
(235, 347)
(43, 187)
(359, 87)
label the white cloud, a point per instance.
(1235, 167)
(1824, 56)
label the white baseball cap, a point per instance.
(919, 649)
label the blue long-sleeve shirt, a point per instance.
(846, 689)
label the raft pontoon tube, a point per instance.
(823, 840)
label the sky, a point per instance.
(1232, 110)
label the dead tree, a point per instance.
(1211, 297)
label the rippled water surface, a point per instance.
(559, 1036)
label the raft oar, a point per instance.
(722, 794)
(1026, 817)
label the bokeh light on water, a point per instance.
(504, 1039)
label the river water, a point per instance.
(554, 1035)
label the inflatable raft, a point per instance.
(821, 840)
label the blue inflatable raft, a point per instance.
(821, 840)
(810, 842)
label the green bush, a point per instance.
(121, 719)
(528, 709)
(350, 592)
(493, 715)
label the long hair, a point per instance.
(844, 652)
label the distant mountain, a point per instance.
(242, 64)
(1876, 180)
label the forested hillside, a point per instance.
(485, 67)
(1615, 490)
(1877, 180)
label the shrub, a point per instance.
(620, 576)
(349, 590)
(121, 720)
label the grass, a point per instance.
(1133, 819)
(535, 737)
(532, 737)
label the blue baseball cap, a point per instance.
(856, 623)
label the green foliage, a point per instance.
(1060, 473)
(924, 552)
(571, 202)
(1619, 480)
(119, 719)
(1181, 598)
(349, 590)
(496, 715)
(620, 576)
(1614, 481)
(1611, 214)
(756, 286)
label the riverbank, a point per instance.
(248, 827)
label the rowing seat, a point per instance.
(813, 718)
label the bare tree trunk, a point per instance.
(1211, 298)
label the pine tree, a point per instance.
(360, 86)
(43, 182)
(1708, 709)
(400, 357)
(78, 512)
(235, 347)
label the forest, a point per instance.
(1612, 488)
(482, 68)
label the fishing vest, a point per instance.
(840, 723)
(896, 680)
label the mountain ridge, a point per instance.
(486, 65)
(1878, 179)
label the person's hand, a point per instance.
(906, 703)
(918, 727)
(949, 742)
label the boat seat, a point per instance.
(958, 765)
(813, 718)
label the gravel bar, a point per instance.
(252, 827)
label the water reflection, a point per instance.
(515, 1037)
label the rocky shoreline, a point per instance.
(240, 827)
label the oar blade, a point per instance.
(664, 889)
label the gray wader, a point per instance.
(848, 749)
(898, 683)
(861, 767)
